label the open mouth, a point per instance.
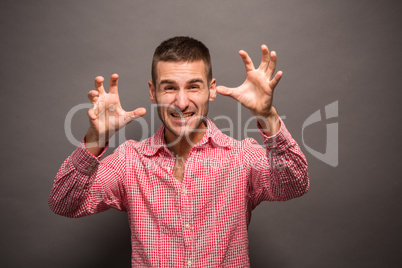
(182, 115)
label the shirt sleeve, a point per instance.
(84, 185)
(277, 172)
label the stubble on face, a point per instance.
(198, 121)
(182, 80)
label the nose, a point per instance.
(182, 100)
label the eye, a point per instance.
(194, 87)
(169, 88)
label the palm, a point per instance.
(110, 115)
(256, 93)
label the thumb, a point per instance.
(91, 113)
(130, 116)
(226, 91)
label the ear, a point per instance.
(152, 93)
(212, 90)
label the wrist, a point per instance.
(269, 122)
(94, 142)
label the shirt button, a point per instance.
(187, 226)
(90, 168)
(184, 190)
(280, 169)
(80, 187)
(189, 263)
(93, 163)
(270, 144)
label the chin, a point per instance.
(186, 129)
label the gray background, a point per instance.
(345, 51)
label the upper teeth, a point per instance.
(182, 115)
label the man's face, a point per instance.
(182, 94)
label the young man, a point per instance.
(189, 190)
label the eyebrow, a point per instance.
(196, 80)
(168, 81)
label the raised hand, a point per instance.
(106, 116)
(256, 93)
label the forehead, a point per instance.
(179, 71)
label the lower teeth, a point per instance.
(187, 116)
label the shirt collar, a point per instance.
(212, 137)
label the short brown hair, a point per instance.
(182, 48)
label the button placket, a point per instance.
(187, 217)
(186, 221)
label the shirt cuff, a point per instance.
(278, 142)
(83, 160)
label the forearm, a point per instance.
(288, 173)
(73, 182)
(283, 174)
(287, 165)
(84, 186)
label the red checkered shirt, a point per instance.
(199, 222)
